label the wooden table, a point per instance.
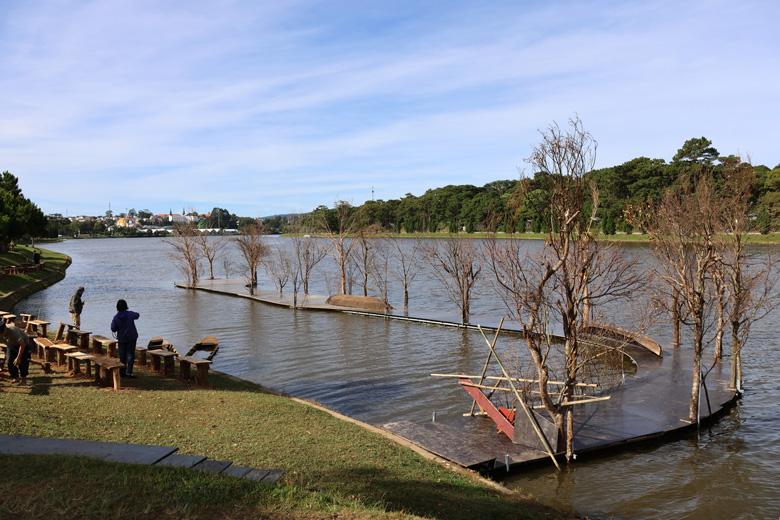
(26, 317)
(9, 318)
(167, 357)
(36, 324)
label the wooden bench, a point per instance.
(79, 338)
(9, 318)
(60, 349)
(76, 358)
(202, 376)
(105, 366)
(60, 336)
(163, 361)
(39, 326)
(104, 345)
(44, 346)
(26, 318)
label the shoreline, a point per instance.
(14, 288)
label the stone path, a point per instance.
(132, 454)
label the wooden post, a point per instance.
(117, 379)
(528, 413)
(184, 370)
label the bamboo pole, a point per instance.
(516, 379)
(528, 413)
(585, 401)
(487, 363)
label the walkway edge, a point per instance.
(401, 441)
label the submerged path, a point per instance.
(650, 404)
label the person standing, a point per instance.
(123, 325)
(18, 352)
(76, 306)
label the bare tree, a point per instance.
(364, 254)
(749, 281)
(210, 249)
(405, 263)
(279, 268)
(571, 276)
(308, 252)
(456, 264)
(252, 247)
(340, 231)
(186, 252)
(380, 268)
(683, 228)
(227, 263)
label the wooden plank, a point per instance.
(503, 425)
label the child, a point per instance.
(126, 334)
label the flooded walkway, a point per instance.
(652, 403)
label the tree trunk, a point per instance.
(736, 358)
(676, 319)
(693, 411)
(720, 324)
(569, 434)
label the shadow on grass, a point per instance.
(391, 491)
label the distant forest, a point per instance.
(521, 205)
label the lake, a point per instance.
(378, 370)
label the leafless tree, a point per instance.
(569, 278)
(279, 268)
(308, 252)
(186, 252)
(456, 263)
(683, 228)
(364, 254)
(340, 233)
(252, 247)
(750, 281)
(380, 267)
(227, 263)
(210, 249)
(405, 263)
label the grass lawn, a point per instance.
(15, 287)
(332, 468)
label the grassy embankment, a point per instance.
(17, 287)
(753, 238)
(334, 468)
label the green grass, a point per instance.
(331, 466)
(16, 287)
(753, 238)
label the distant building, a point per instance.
(173, 218)
(126, 222)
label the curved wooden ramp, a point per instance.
(626, 336)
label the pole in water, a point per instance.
(433, 417)
(506, 461)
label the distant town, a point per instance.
(145, 223)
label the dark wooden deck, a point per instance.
(651, 403)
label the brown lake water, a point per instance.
(378, 371)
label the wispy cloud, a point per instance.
(280, 107)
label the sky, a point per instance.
(276, 107)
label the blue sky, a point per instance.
(276, 107)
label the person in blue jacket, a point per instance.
(123, 325)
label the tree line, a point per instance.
(523, 205)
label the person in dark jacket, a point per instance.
(76, 306)
(127, 335)
(18, 352)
